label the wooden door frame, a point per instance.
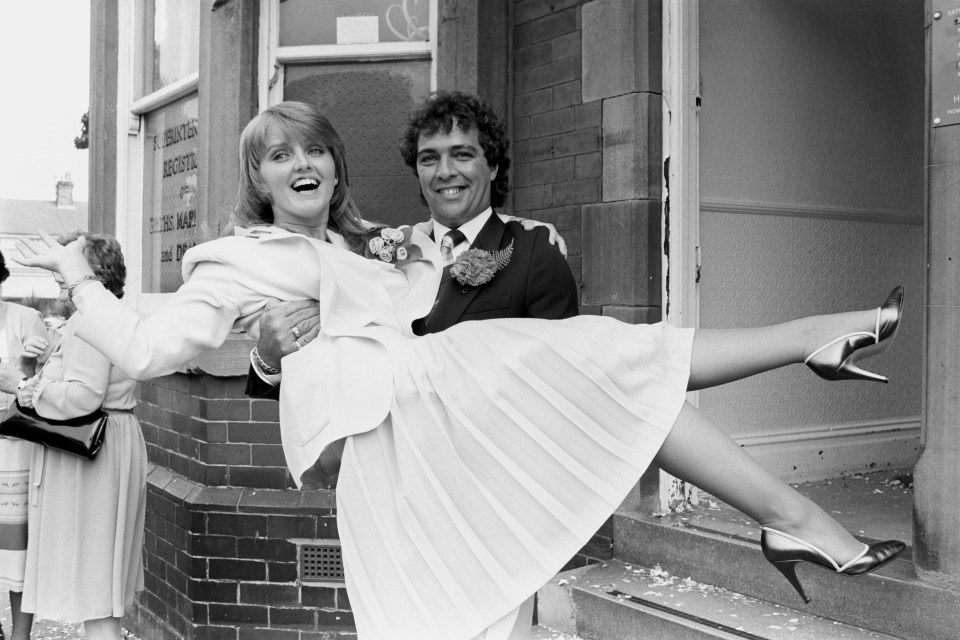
(681, 147)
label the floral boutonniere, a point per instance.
(392, 245)
(475, 267)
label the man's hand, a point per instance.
(530, 225)
(10, 377)
(287, 327)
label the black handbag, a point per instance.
(82, 436)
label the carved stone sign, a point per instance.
(945, 65)
(171, 224)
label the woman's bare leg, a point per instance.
(698, 452)
(725, 355)
(22, 621)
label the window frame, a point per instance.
(132, 143)
(274, 58)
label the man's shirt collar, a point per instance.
(470, 229)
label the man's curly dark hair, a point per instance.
(438, 114)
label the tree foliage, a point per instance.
(83, 140)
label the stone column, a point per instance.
(472, 49)
(936, 512)
(227, 101)
(622, 238)
(102, 126)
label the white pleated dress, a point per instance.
(508, 445)
(477, 461)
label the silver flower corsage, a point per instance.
(475, 267)
(392, 245)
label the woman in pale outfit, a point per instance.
(475, 461)
(23, 339)
(84, 556)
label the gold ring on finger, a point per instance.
(298, 345)
(296, 333)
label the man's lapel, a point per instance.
(453, 301)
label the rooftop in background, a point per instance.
(24, 217)
(21, 219)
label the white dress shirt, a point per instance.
(470, 230)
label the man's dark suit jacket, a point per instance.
(537, 283)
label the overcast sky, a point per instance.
(45, 63)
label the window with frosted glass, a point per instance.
(170, 43)
(368, 104)
(320, 22)
(171, 224)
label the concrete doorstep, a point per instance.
(545, 633)
(615, 600)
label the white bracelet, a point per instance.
(78, 281)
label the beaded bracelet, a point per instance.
(267, 369)
(76, 283)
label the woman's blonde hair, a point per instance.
(305, 123)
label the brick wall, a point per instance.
(587, 143)
(208, 431)
(222, 517)
(557, 164)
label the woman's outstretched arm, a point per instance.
(198, 317)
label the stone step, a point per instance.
(619, 601)
(891, 601)
(545, 633)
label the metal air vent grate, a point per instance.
(321, 562)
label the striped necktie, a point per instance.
(450, 240)
(447, 245)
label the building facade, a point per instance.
(20, 220)
(713, 164)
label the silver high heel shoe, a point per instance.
(785, 552)
(836, 359)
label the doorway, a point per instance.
(811, 200)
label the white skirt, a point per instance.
(509, 443)
(85, 552)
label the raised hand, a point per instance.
(67, 260)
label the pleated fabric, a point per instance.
(508, 444)
(85, 550)
(14, 482)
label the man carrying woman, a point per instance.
(475, 461)
(457, 145)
